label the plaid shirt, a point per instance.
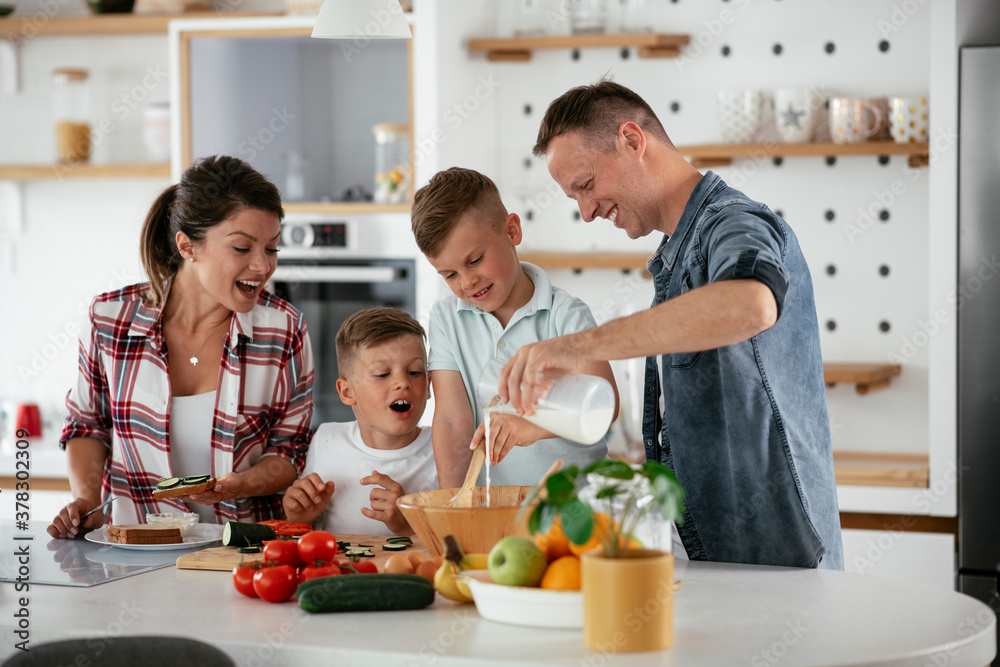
(263, 401)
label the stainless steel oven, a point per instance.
(331, 268)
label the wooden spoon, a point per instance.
(464, 496)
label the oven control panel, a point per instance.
(314, 235)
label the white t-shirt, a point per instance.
(339, 455)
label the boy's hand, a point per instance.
(383, 498)
(506, 432)
(306, 498)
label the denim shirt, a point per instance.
(745, 426)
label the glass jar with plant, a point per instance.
(606, 501)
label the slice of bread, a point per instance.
(142, 534)
(183, 489)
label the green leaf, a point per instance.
(616, 470)
(608, 492)
(535, 520)
(561, 486)
(577, 521)
(669, 496)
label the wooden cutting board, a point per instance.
(226, 558)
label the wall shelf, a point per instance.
(519, 49)
(882, 469)
(579, 261)
(58, 172)
(720, 155)
(26, 27)
(867, 377)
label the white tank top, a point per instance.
(190, 442)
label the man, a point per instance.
(734, 396)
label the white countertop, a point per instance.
(725, 614)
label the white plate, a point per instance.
(201, 535)
(518, 605)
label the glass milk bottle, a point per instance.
(392, 159)
(71, 111)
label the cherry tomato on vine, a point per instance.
(282, 552)
(364, 567)
(275, 584)
(317, 571)
(243, 579)
(317, 546)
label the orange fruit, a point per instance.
(603, 525)
(562, 574)
(553, 543)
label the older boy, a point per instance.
(383, 377)
(497, 305)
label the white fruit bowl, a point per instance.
(518, 605)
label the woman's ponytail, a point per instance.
(156, 247)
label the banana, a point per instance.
(474, 562)
(448, 586)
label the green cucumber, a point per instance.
(236, 534)
(365, 592)
(195, 479)
(168, 482)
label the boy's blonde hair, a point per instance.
(372, 326)
(445, 201)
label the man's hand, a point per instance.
(306, 498)
(383, 498)
(226, 487)
(522, 379)
(67, 524)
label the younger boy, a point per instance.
(383, 377)
(497, 305)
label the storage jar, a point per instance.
(71, 110)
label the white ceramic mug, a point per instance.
(909, 123)
(796, 112)
(739, 115)
(854, 120)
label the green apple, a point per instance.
(516, 561)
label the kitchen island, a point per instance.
(725, 614)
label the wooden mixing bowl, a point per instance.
(477, 528)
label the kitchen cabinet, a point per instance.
(298, 109)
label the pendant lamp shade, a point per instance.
(366, 19)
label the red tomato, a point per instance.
(317, 546)
(243, 579)
(275, 584)
(317, 571)
(364, 567)
(282, 552)
(287, 528)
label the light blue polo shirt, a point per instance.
(463, 337)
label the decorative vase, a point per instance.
(628, 602)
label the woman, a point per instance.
(197, 371)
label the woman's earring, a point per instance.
(190, 259)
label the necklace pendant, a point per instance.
(193, 360)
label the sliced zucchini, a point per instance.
(365, 546)
(399, 538)
(389, 546)
(236, 534)
(168, 482)
(196, 479)
(248, 550)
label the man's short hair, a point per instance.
(597, 111)
(446, 200)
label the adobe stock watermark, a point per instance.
(883, 199)
(779, 648)
(378, 21)
(281, 119)
(432, 649)
(927, 329)
(709, 33)
(900, 14)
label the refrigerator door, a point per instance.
(978, 306)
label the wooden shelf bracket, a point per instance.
(866, 377)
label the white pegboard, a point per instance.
(854, 48)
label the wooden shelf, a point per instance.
(867, 377)
(25, 27)
(719, 155)
(881, 469)
(518, 49)
(579, 261)
(58, 172)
